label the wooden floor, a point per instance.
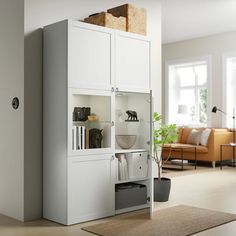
(212, 189)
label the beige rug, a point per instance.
(174, 221)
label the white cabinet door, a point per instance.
(89, 56)
(132, 63)
(91, 188)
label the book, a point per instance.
(83, 137)
(122, 167)
(126, 174)
(119, 170)
(73, 141)
(75, 138)
(78, 137)
(87, 138)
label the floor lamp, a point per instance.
(214, 110)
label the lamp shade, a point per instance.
(214, 109)
(182, 109)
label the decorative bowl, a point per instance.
(125, 141)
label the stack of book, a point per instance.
(122, 167)
(80, 138)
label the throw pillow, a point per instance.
(204, 137)
(194, 137)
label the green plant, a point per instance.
(162, 134)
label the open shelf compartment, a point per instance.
(90, 122)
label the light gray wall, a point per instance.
(214, 46)
(37, 15)
(12, 121)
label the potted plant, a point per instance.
(162, 134)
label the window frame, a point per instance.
(185, 62)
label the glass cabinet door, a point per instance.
(132, 118)
(91, 123)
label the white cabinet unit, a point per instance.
(80, 170)
(132, 62)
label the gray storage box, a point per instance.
(129, 195)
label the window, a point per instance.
(188, 93)
(229, 95)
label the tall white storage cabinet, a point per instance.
(83, 68)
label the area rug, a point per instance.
(174, 221)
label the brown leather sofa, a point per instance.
(209, 153)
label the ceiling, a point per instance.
(188, 19)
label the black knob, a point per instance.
(15, 103)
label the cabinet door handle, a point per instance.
(117, 89)
(112, 89)
(112, 123)
(112, 158)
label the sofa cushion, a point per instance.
(185, 133)
(205, 136)
(194, 137)
(180, 132)
(189, 148)
(202, 149)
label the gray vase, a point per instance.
(162, 189)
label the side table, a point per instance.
(233, 145)
(183, 148)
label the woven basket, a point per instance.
(136, 18)
(107, 20)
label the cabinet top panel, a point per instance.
(76, 23)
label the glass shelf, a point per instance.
(117, 151)
(132, 121)
(91, 122)
(91, 151)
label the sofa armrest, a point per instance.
(215, 140)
